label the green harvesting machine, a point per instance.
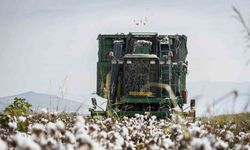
(141, 73)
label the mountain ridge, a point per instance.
(42, 100)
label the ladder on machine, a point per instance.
(164, 67)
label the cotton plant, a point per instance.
(138, 132)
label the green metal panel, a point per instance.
(104, 61)
(106, 44)
(103, 68)
(183, 48)
(142, 50)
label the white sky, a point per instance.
(42, 42)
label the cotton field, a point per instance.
(52, 131)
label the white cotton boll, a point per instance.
(245, 136)
(124, 132)
(21, 118)
(221, 144)
(54, 113)
(153, 117)
(131, 145)
(233, 127)
(44, 111)
(125, 118)
(69, 147)
(60, 125)
(119, 140)
(103, 134)
(222, 132)
(157, 134)
(57, 134)
(154, 147)
(137, 127)
(12, 125)
(175, 127)
(79, 126)
(25, 142)
(84, 141)
(161, 125)
(211, 138)
(238, 147)
(198, 123)
(24, 134)
(43, 141)
(110, 146)
(248, 135)
(43, 120)
(80, 120)
(203, 133)
(117, 127)
(241, 147)
(83, 138)
(194, 130)
(247, 147)
(52, 143)
(29, 128)
(99, 122)
(137, 115)
(167, 143)
(117, 147)
(108, 120)
(19, 139)
(71, 138)
(179, 137)
(93, 128)
(242, 133)
(141, 117)
(60, 146)
(110, 134)
(38, 126)
(50, 127)
(30, 144)
(140, 134)
(3, 145)
(202, 143)
(149, 127)
(229, 136)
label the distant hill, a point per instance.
(206, 93)
(51, 102)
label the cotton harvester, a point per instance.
(142, 73)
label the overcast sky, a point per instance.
(43, 42)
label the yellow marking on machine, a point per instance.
(135, 93)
